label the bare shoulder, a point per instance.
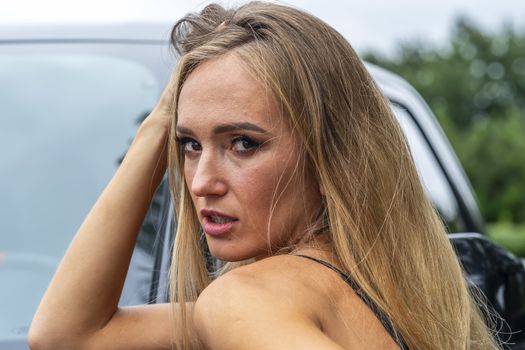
(274, 282)
(287, 282)
(268, 301)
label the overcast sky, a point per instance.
(371, 24)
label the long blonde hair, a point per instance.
(383, 229)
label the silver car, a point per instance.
(71, 99)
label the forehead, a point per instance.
(221, 90)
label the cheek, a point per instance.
(278, 193)
(265, 191)
(256, 185)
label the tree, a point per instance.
(476, 88)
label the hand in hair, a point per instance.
(163, 111)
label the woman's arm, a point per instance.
(80, 307)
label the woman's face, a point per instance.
(241, 163)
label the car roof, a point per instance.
(158, 32)
(125, 31)
(135, 32)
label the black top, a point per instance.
(385, 321)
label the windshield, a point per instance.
(66, 121)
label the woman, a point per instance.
(286, 157)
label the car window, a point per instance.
(67, 120)
(434, 181)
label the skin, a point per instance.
(286, 302)
(277, 302)
(241, 171)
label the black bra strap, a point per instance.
(385, 321)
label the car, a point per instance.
(72, 97)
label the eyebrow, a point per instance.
(223, 128)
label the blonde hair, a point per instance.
(383, 229)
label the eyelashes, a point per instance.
(187, 144)
(242, 144)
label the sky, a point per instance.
(378, 25)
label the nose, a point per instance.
(207, 178)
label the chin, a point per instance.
(231, 253)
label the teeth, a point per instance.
(220, 219)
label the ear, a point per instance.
(321, 189)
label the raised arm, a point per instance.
(80, 307)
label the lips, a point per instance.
(215, 223)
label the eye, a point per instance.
(189, 145)
(244, 144)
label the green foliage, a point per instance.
(509, 236)
(476, 88)
(493, 152)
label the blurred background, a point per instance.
(466, 58)
(78, 77)
(475, 84)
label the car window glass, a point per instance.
(429, 170)
(66, 121)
